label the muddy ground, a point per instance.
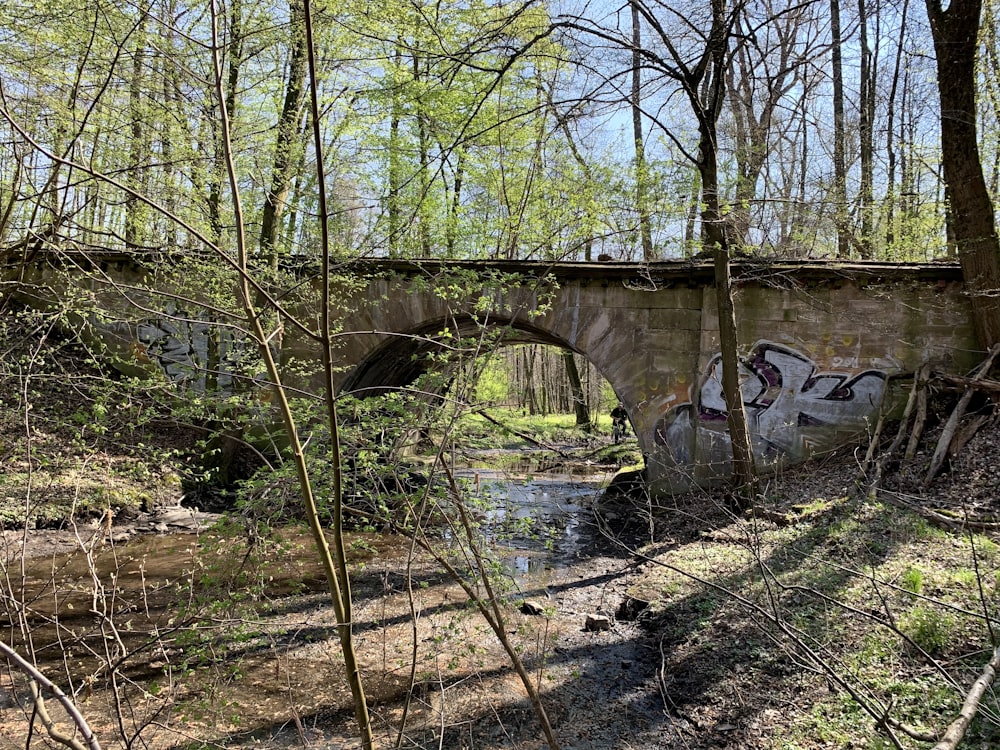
(706, 665)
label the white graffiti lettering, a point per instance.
(793, 409)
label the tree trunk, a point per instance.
(423, 152)
(455, 205)
(691, 218)
(171, 88)
(135, 210)
(234, 61)
(971, 219)
(395, 163)
(576, 392)
(744, 471)
(641, 176)
(287, 140)
(890, 180)
(866, 127)
(529, 380)
(714, 232)
(839, 158)
(990, 81)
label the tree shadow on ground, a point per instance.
(713, 666)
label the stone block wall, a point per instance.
(818, 349)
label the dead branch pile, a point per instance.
(956, 432)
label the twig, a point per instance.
(970, 706)
(979, 586)
(669, 707)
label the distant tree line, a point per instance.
(490, 131)
(537, 379)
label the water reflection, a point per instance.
(538, 524)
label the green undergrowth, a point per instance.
(817, 599)
(512, 428)
(53, 496)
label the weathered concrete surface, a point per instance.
(820, 344)
(820, 341)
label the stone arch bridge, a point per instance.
(820, 341)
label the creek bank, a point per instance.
(695, 669)
(32, 543)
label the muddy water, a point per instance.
(161, 581)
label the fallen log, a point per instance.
(970, 706)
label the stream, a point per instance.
(539, 523)
(157, 606)
(160, 572)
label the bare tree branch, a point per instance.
(37, 678)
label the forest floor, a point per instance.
(830, 618)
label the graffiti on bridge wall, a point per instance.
(194, 353)
(793, 409)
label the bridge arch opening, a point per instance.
(403, 357)
(528, 369)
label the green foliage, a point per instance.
(931, 629)
(493, 384)
(912, 580)
(986, 548)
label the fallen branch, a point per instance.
(938, 518)
(919, 422)
(37, 678)
(985, 385)
(947, 434)
(970, 706)
(523, 435)
(966, 433)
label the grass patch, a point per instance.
(475, 430)
(838, 576)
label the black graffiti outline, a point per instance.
(767, 387)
